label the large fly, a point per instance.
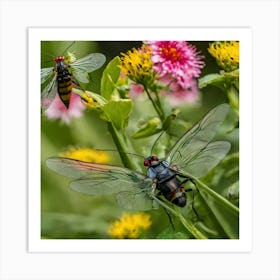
(191, 157)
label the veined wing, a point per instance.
(130, 187)
(206, 159)
(85, 65)
(89, 63)
(48, 93)
(46, 73)
(193, 153)
(137, 200)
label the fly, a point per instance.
(66, 74)
(192, 156)
(167, 181)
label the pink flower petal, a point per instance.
(57, 109)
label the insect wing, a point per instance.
(193, 152)
(48, 93)
(206, 159)
(100, 179)
(137, 200)
(46, 74)
(87, 64)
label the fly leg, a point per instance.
(167, 213)
(154, 185)
(187, 179)
(191, 190)
(76, 84)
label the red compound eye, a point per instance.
(154, 158)
(59, 58)
(146, 162)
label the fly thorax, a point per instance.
(161, 171)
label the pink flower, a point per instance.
(177, 64)
(178, 95)
(57, 109)
(136, 90)
(176, 60)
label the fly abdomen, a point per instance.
(179, 197)
(64, 87)
(172, 191)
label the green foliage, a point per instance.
(110, 77)
(115, 121)
(149, 128)
(117, 112)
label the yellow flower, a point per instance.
(130, 226)
(226, 54)
(137, 65)
(86, 154)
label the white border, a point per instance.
(262, 16)
(36, 35)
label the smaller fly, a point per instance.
(68, 73)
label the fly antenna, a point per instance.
(69, 47)
(156, 142)
(116, 151)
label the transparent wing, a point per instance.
(46, 73)
(130, 187)
(48, 93)
(137, 200)
(80, 76)
(89, 63)
(192, 153)
(85, 65)
(206, 159)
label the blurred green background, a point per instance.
(68, 214)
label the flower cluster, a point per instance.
(137, 65)
(130, 226)
(176, 61)
(178, 64)
(226, 54)
(174, 64)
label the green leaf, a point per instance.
(226, 213)
(117, 112)
(110, 77)
(210, 79)
(149, 128)
(222, 80)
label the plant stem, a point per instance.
(218, 197)
(191, 228)
(121, 144)
(159, 105)
(233, 97)
(156, 106)
(186, 223)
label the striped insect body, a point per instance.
(67, 73)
